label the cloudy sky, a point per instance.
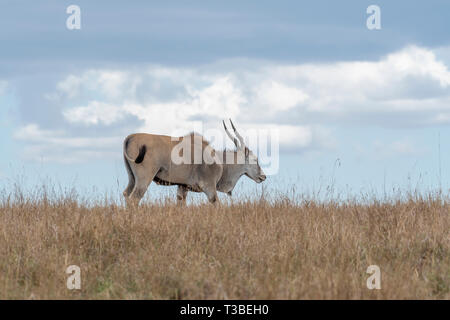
(361, 109)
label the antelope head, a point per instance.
(251, 166)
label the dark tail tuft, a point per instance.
(141, 155)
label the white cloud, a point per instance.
(32, 132)
(411, 81)
(57, 146)
(279, 97)
(291, 137)
(110, 84)
(220, 99)
(94, 113)
(410, 87)
(392, 83)
(70, 86)
(415, 61)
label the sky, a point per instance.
(355, 109)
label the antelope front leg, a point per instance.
(181, 195)
(212, 196)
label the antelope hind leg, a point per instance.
(181, 195)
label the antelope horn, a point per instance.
(230, 136)
(241, 140)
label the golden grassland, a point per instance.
(247, 250)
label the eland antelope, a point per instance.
(150, 157)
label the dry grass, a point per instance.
(249, 250)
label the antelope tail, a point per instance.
(141, 155)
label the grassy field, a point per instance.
(247, 250)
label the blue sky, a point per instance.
(362, 108)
